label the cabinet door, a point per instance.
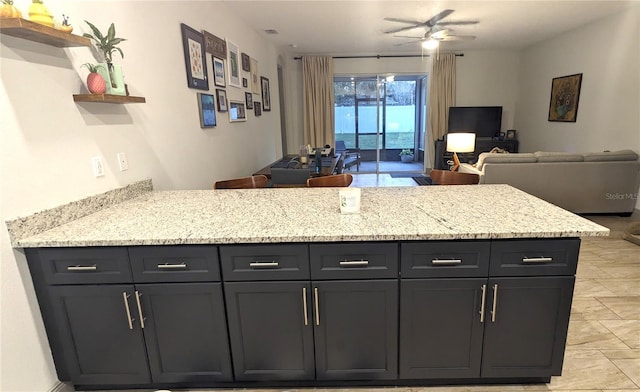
(270, 330)
(185, 332)
(98, 344)
(525, 335)
(356, 329)
(441, 328)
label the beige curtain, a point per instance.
(318, 100)
(442, 95)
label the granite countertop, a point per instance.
(313, 215)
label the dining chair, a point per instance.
(447, 177)
(336, 180)
(281, 177)
(257, 181)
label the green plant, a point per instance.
(106, 43)
(93, 68)
(406, 151)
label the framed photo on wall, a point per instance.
(257, 109)
(246, 63)
(511, 134)
(255, 82)
(266, 99)
(249, 98)
(207, 109)
(237, 111)
(194, 58)
(218, 72)
(222, 100)
(233, 64)
(565, 94)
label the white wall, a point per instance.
(47, 140)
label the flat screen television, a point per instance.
(485, 121)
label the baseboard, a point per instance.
(62, 387)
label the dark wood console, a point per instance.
(482, 145)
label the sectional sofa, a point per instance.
(597, 182)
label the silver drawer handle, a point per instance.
(172, 266)
(263, 264)
(483, 300)
(82, 268)
(142, 318)
(352, 263)
(125, 297)
(537, 260)
(446, 262)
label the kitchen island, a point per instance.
(268, 287)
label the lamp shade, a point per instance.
(461, 142)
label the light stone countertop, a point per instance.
(313, 215)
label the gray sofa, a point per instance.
(599, 182)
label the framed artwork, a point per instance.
(207, 109)
(266, 99)
(214, 45)
(249, 98)
(245, 83)
(237, 111)
(233, 64)
(194, 58)
(257, 108)
(511, 134)
(222, 100)
(218, 72)
(255, 83)
(246, 63)
(565, 93)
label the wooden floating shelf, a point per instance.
(32, 31)
(108, 98)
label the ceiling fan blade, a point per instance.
(439, 16)
(402, 29)
(413, 22)
(407, 43)
(407, 36)
(459, 23)
(457, 38)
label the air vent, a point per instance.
(271, 31)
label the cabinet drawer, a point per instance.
(431, 259)
(534, 257)
(264, 262)
(174, 263)
(81, 265)
(368, 260)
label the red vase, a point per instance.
(96, 84)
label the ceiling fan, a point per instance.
(434, 36)
(435, 21)
(436, 31)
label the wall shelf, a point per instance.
(108, 98)
(36, 32)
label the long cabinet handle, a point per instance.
(82, 268)
(446, 262)
(142, 318)
(263, 264)
(537, 259)
(495, 303)
(304, 305)
(172, 266)
(315, 296)
(125, 297)
(483, 301)
(354, 263)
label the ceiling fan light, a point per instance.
(430, 44)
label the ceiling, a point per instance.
(356, 27)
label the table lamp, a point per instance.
(460, 142)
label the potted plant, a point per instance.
(406, 155)
(108, 44)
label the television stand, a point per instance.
(482, 145)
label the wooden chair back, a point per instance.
(447, 177)
(258, 181)
(337, 180)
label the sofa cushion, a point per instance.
(544, 156)
(522, 157)
(621, 155)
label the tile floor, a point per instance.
(603, 345)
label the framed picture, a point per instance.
(214, 45)
(249, 98)
(218, 72)
(245, 82)
(222, 100)
(266, 99)
(246, 63)
(237, 111)
(194, 58)
(565, 93)
(233, 64)
(257, 108)
(511, 134)
(207, 109)
(255, 84)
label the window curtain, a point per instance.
(442, 95)
(318, 100)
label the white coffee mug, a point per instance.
(349, 200)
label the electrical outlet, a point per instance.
(98, 167)
(122, 161)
